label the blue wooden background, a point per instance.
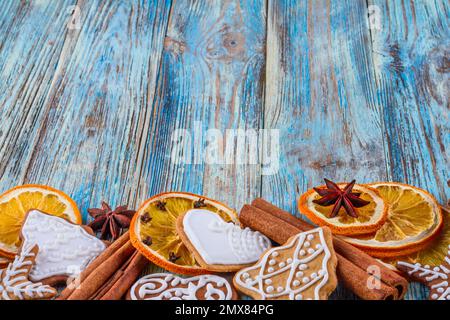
(91, 92)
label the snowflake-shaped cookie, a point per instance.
(437, 278)
(14, 282)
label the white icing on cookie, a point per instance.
(219, 242)
(296, 283)
(63, 246)
(437, 278)
(160, 286)
(14, 281)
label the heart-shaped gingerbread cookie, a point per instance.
(218, 245)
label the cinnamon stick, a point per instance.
(351, 253)
(355, 279)
(102, 273)
(127, 278)
(106, 286)
(279, 213)
(121, 241)
(280, 231)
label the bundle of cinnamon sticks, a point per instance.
(110, 275)
(366, 277)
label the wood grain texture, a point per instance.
(211, 73)
(411, 55)
(32, 37)
(99, 106)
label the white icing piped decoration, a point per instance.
(160, 285)
(438, 277)
(219, 242)
(14, 279)
(293, 287)
(63, 246)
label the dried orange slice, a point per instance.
(15, 203)
(414, 220)
(435, 252)
(153, 229)
(370, 217)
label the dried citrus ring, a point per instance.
(435, 252)
(153, 229)
(15, 203)
(370, 217)
(414, 220)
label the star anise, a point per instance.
(110, 222)
(332, 194)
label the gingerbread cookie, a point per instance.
(65, 248)
(304, 268)
(437, 278)
(218, 245)
(14, 280)
(165, 286)
(4, 262)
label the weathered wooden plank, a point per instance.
(11, 11)
(32, 37)
(212, 78)
(321, 94)
(411, 54)
(100, 103)
(412, 65)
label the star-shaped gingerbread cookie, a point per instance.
(14, 282)
(437, 278)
